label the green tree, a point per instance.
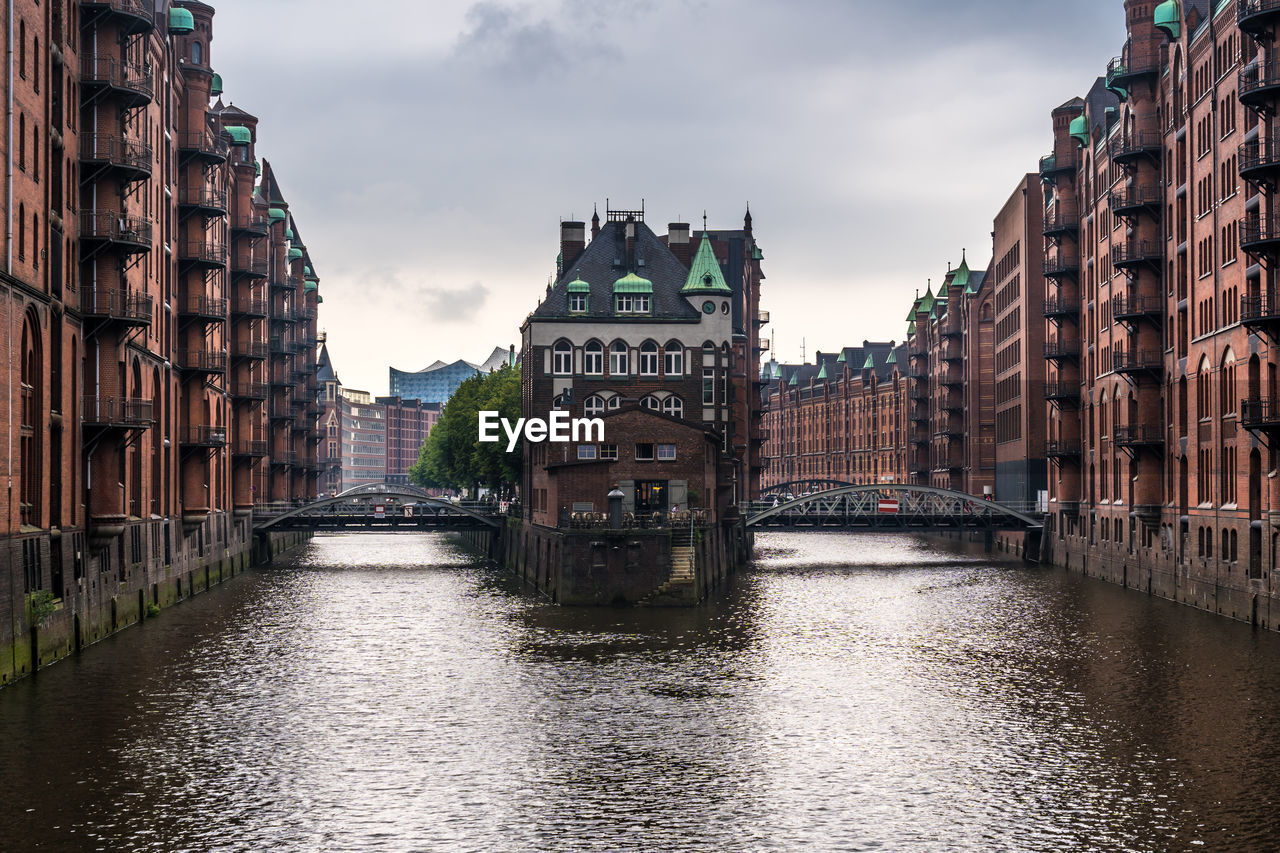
(453, 456)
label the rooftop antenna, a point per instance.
(704, 221)
(803, 357)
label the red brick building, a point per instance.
(136, 278)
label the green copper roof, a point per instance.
(911, 328)
(579, 286)
(309, 286)
(893, 357)
(240, 135)
(277, 215)
(704, 272)
(215, 88)
(777, 370)
(757, 255)
(822, 371)
(925, 304)
(841, 359)
(870, 363)
(1169, 18)
(181, 22)
(319, 299)
(295, 254)
(288, 233)
(257, 168)
(961, 279)
(632, 283)
(944, 291)
(915, 309)
(794, 380)
(1080, 129)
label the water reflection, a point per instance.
(848, 693)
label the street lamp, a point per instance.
(615, 508)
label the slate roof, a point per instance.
(596, 267)
(324, 367)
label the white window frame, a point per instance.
(593, 359)
(673, 360)
(618, 359)
(562, 359)
(673, 406)
(609, 451)
(587, 452)
(652, 452)
(649, 359)
(622, 303)
(578, 303)
(593, 405)
(664, 452)
(651, 403)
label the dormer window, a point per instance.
(632, 295)
(577, 303)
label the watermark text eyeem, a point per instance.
(558, 428)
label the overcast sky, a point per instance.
(429, 150)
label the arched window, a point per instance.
(648, 359)
(22, 232)
(651, 402)
(593, 405)
(593, 364)
(22, 141)
(673, 406)
(617, 359)
(562, 358)
(30, 378)
(197, 53)
(615, 402)
(1227, 384)
(674, 358)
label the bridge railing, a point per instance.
(635, 520)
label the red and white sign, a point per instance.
(380, 511)
(888, 505)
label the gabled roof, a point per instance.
(603, 262)
(324, 367)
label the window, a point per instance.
(562, 359)
(648, 359)
(651, 402)
(586, 451)
(673, 406)
(708, 386)
(609, 451)
(622, 303)
(666, 452)
(674, 357)
(641, 305)
(615, 402)
(617, 359)
(644, 452)
(593, 405)
(577, 303)
(593, 359)
(197, 53)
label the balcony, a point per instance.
(1135, 253)
(1053, 167)
(1259, 83)
(254, 227)
(1135, 146)
(1070, 509)
(203, 253)
(1061, 307)
(1256, 17)
(1130, 308)
(130, 309)
(129, 159)
(1124, 71)
(278, 346)
(133, 84)
(249, 390)
(1259, 159)
(1139, 362)
(952, 356)
(250, 449)
(203, 309)
(284, 314)
(202, 145)
(117, 413)
(1132, 201)
(1061, 265)
(284, 457)
(281, 284)
(1260, 234)
(1061, 222)
(129, 234)
(762, 318)
(1061, 350)
(919, 397)
(243, 266)
(952, 332)
(1062, 449)
(952, 381)
(1260, 414)
(202, 361)
(207, 202)
(1062, 392)
(249, 350)
(132, 16)
(204, 436)
(280, 410)
(249, 306)
(1138, 436)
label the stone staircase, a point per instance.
(680, 587)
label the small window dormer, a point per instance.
(632, 295)
(579, 296)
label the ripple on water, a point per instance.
(389, 693)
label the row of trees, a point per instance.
(453, 457)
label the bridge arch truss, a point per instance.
(890, 507)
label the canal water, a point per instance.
(389, 693)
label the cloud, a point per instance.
(453, 305)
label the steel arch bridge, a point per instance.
(354, 509)
(889, 507)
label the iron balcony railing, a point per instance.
(251, 447)
(134, 308)
(1061, 220)
(1135, 144)
(1259, 308)
(1136, 252)
(1132, 199)
(205, 144)
(118, 151)
(1135, 435)
(1128, 306)
(1134, 361)
(1260, 413)
(257, 267)
(1060, 264)
(1259, 155)
(202, 306)
(1057, 449)
(128, 77)
(1134, 64)
(1257, 82)
(249, 390)
(1254, 16)
(1061, 306)
(204, 361)
(128, 412)
(254, 226)
(114, 227)
(1061, 391)
(762, 318)
(203, 198)
(1057, 350)
(1051, 165)
(284, 457)
(280, 410)
(205, 436)
(249, 306)
(205, 252)
(139, 18)
(249, 349)
(1258, 231)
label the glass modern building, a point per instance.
(436, 383)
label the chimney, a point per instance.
(631, 242)
(678, 241)
(573, 239)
